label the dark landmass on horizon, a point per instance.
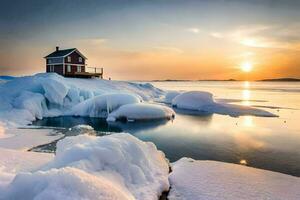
(282, 79)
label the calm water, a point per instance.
(267, 143)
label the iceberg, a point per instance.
(203, 102)
(141, 111)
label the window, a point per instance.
(78, 69)
(69, 59)
(49, 61)
(68, 68)
(51, 68)
(79, 59)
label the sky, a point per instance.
(156, 40)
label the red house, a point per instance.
(69, 63)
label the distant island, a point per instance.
(282, 79)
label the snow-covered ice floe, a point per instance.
(211, 180)
(141, 111)
(25, 99)
(203, 102)
(117, 166)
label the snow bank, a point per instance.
(87, 167)
(25, 139)
(141, 111)
(13, 162)
(25, 99)
(135, 165)
(193, 100)
(211, 180)
(170, 96)
(100, 106)
(67, 183)
(204, 102)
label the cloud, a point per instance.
(91, 41)
(168, 49)
(193, 30)
(216, 35)
(264, 36)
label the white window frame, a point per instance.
(68, 68)
(79, 59)
(78, 68)
(69, 58)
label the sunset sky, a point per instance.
(146, 40)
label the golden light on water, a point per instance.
(248, 121)
(246, 66)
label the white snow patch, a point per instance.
(25, 99)
(66, 183)
(141, 111)
(204, 102)
(13, 162)
(211, 180)
(170, 96)
(100, 106)
(24, 139)
(117, 166)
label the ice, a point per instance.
(25, 139)
(66, 183)
(211, 180)
(100, 106)
(80, 129)
(170, 96)
(203, 102)
(141, 111)
(25, 99)
(13, 161)
(193, 100)
(87, 167)
(33, 102)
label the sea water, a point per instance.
(262, 142)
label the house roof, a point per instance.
(63, 53)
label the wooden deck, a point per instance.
(87, 74)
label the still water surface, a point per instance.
(267, 143)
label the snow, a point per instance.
(211, 180)
(170, 96)
(116, 166)
(25, 139)
(13, 161)
(141, 111)
(203, 102)
(67, 183)
(100, 106)
(193, 100)
(25, 99)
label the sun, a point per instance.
(246, 67)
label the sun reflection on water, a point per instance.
(248, 121)
(246, 94)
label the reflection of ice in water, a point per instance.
(246, 94)
(248, 121)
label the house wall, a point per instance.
(73, 69)
(74, 58)
(57, 69)
(55, 60)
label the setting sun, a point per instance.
(246, 67)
